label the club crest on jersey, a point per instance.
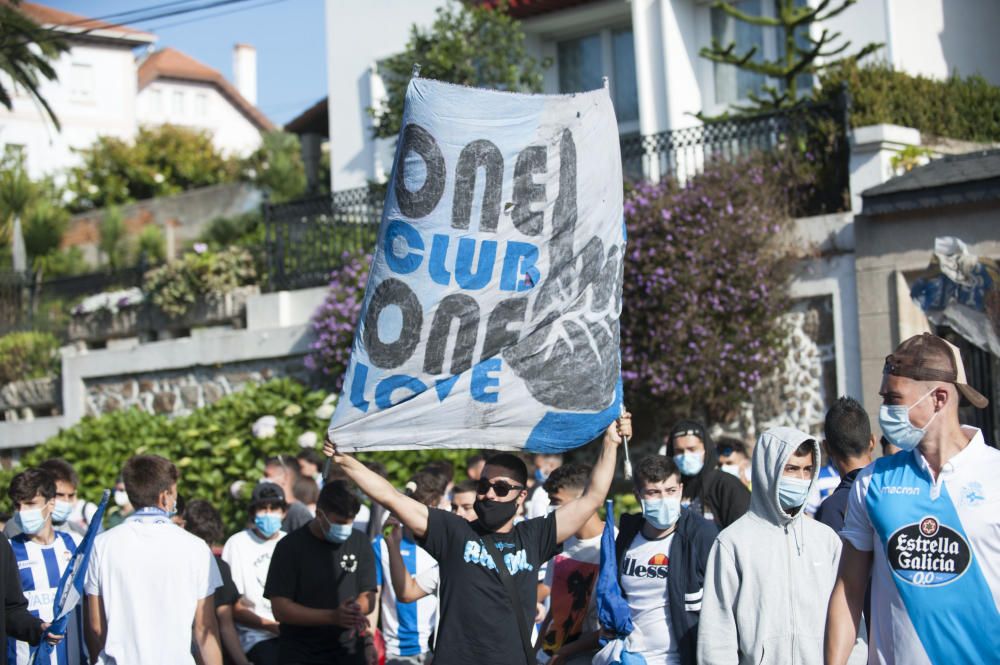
(656, 567)
(928, 553)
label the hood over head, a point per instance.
(770, 455)
(693, 484)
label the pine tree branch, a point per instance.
(752, 19)
(833, 12)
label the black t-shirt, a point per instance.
(320, 575)
(478, 624)
(227, 594)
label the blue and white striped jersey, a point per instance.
(406, 627)
(828, 480)
(41, 567)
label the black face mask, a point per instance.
(494, 514)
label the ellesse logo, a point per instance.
(656, 567)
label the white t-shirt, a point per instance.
(429, 580)
(249, 558)
(407, 627)
(972, 480)
(150, 574)
(538, 503)
(644, 581)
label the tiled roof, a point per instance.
(170, 63)
(314, 119)
(74, 23)
(967, 178)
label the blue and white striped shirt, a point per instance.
(406, 627)
(41, 567)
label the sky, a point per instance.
(289, 36)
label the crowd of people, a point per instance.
(802, 550)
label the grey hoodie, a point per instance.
(769, 574)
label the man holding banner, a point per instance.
(490, 321)
(486, 609)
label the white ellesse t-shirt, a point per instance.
(150, 574)
(249, 557)
(972, 478)
(644, 580)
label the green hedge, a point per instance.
(28, 355)
(959, 108)
(213, 447)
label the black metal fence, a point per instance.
(29, 302)
(307, 239)
(814, 132)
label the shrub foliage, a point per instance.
(705, 283)
(966, 108)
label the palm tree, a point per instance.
(26, 52)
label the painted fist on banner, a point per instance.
(586, 334)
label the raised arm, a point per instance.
(411, 513)
(846, 601)
(573, 515)
(406, 588)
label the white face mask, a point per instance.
(731, 469)
(121, 498)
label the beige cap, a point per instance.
(927, 357)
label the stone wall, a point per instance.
(179, 392)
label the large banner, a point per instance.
(491, 314)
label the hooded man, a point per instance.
(770, 573)
(924, 522)
(708, 491)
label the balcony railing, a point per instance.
(308, 239)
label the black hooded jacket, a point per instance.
(714, 493)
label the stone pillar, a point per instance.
(872, 150)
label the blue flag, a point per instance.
(612, 609)
(70, 590)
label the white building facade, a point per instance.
(101, 91)
(649, 50)
(94, 95)
(177, 89)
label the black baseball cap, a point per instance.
(927, 357)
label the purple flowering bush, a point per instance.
(334, 321)
(705, 285)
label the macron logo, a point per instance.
(896, 489)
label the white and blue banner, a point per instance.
(491, 314)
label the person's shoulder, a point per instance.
(237, 540)
(727, 482)
(445, 519)
(186, 540)
(814, 529)
(746, 529)
(693, 525)
(294, 538)
(535, 525)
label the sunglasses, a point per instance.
(501, 487)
